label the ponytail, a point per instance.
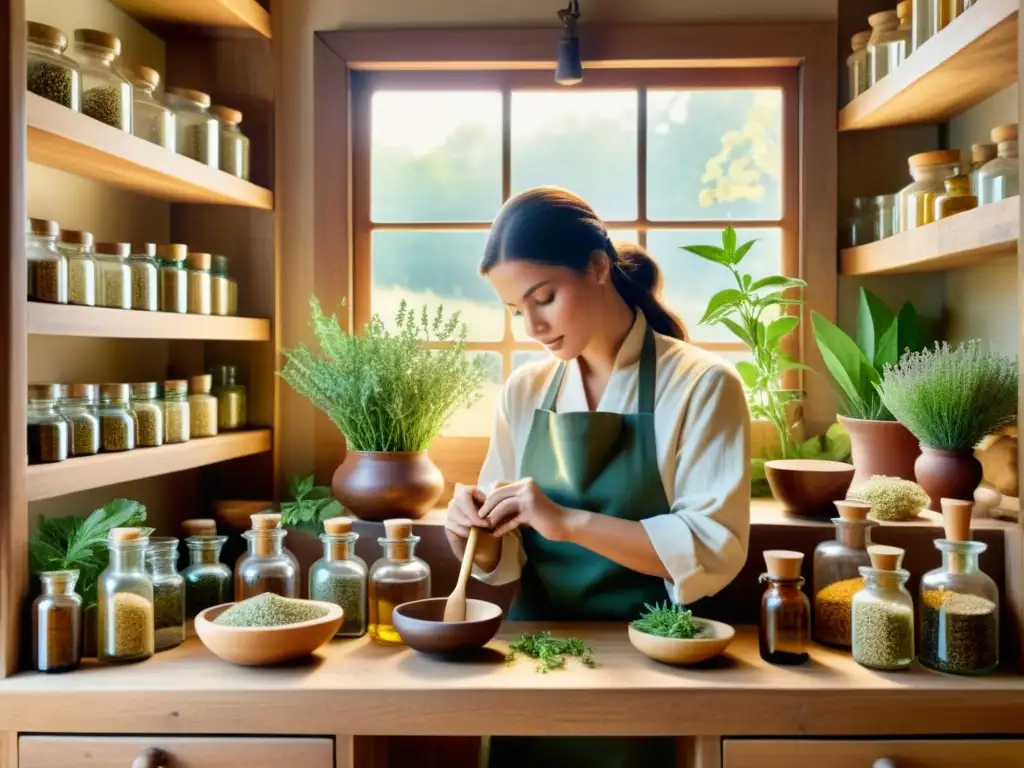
(638, 279)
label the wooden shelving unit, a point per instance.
(72, 142)
(968, 61)
(234, 14)
(97, 322)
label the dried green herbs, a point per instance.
(883, 634)
(960, 632)
(47, 442)
(205, 589)
(667, 620)
(129, 629)
(103, 103)
(52, 81)
(269, 610)
(348, 592)
(551, 652)
(168, 613)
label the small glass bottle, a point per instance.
(168, 592)
(858, 77)
(202, 406)
(220, 286)
(234, 145)
(113, 276)
(232, 297)
(77, 248)
(267, 566)
(785, 628)
(118, 424)
(980, 154)
(198, 131)
(887, 216)
(145, 277)
(47, 266)
(883, 613)
(957, 198)
(151, 119)
(125, 594)
(861, 221)
(231, 397)
(177, 414)
(57, 623)
(207, 579)
(837, 579)
(106, 93)
(48, 430)
(199, 285)
(998, 179)
(340, 576)
(929, 171)
(905, 12)
(149, 414)
(397, 577)
(921, 22)
(173, 277)
(78, 406)
(50, 73)
(885, 45)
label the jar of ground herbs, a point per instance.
(50, 73)
(234, 145)
(202, 406)
(883, 613)
(177, 413)
(168, 592)
(78, 406)
(151, 119)
(149, 414)
(837, 579)
(173, 277)
(145, 277)
(340, 577)
(232, 408)
(125, 596)
(199, 283)
(106, 93)
(48, 431)
(220, 294)
(47, 266)
(118, 424)
(77, 247)
(207, 579)
(113, 276)
(267, 566)
(57, 623)
(198, 131)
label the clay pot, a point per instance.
(807, 487)
(380, 486)
(947, 474)
(880, 448)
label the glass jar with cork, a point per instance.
(998, 179)
(207, 579)
(929, 171)
(198, 131)
(397, 577)
(837, 578)
(106, 93)
(125, 595)
(232, 407)
(199, 283)
(202, 406)
(220, 285)
(267, 566)
(340, 576)
(177, 413)
(145, 277)
(113, 276)
(48, 430)
(980, 154)
(118, 423)
(906, 30)
(49, 72)
(173, 277)
(152, 120)
(57, 623)
(883, 613)
(784, 632)
(77, 247)
(47, 266)
(78, 406)
(885, 45)
(168, 592)
(234, 145)
(149, 414)
(858, 78)
(956, 199)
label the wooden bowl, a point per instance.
(261, 646)
(420, 625)
(714, 638)
(807, 487)
(234, 513)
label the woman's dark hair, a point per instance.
(548, 225)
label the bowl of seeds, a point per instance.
(267, 629)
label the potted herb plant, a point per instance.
(389, 395)
(950, 398)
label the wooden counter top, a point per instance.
(362, 688)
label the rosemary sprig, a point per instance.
(550, 651)
(667, 620)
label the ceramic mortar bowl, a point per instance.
(421, 626)
(712, 640)
(261, 646)
(807, 487)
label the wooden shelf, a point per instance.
(46, 481)
(97, 322)
(968, 61)
(72, 142)
(235, 14)
(964, 240)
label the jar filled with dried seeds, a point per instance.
(837, 578)
(199, 283)
(57, 622)
(48, 430)
(234, 145)
(173, 277)
(106, 93)
(113, 276)
(78, 406)
(220, 295)
(50, 73)
(145, 277)
(151, 119)
(883, 613)
(198, 131)
(340, 576)
(47, 266)
(177, 417)
(125, 595)
(232, 409)
(77, 247)
(168, 592)
(118, 425)
(203, 406)
(149, 414)
(207, 579)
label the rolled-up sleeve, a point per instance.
(703, 540)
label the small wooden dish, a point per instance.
(422, 627)
(263, 646)
(808, 487)
(236, 513)
(712, 641)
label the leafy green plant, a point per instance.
(66, 543)
(311, 506)
(950, 397)
(550, 651)
(387, 391)
(831, 445)
(667, 620)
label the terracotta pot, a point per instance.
(807, 487)
(880, 448)
(947, 475)
(380, 486)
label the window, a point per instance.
(666, 157)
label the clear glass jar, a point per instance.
(173, 277)
(998, 179)
(78, 406)
(232, 298)
(860, 221)
(883, 620)
(887, 216)
(118, 424)
(106, 93)
(48, 430)
(397, 577)
(207, 579)
(956, 199)
(177, 414)
(113, 276)
(149, 414)
(232, 409)
(202, 406)
(858, 79)
(125, 595)
(145, 277)
(837, 579)
(234, 145)
(929, 171)
(980, 154)
(220, 290)
(151, 119)
(198, 131)
(77, 248)
(340, 578)
(57, 623)
(168, 592)
(50, 73)
(959, 622)
(885, 46)
(199, 283)
(47, 266)
(905, 12)
(267, 566)
(921, 14)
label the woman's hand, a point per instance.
(524, 504)
(462, 515)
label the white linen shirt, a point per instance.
(702, 434)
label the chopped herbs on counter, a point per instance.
(667, 620)
(551, 651)
(269, 610)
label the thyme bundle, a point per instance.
(551, 652)
(667, 620)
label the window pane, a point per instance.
(435, 156)
(714, 154)
(691, 281)
(435, 267)
(477, 420)
(584, 141)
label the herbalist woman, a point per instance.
(618, 469)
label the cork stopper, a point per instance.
(904, 10)
(884, 20)
(853, 511)
(43, 227)
(938, 157)
(176, 387)
(956, 519)
(1003, 133)
(783, 563)
(118, 393)
(198, 260)
(227, 114)
(98, 39)
(145, 75)
(76, 237)
(172, 251)
(338, 526)
(860, 40)
(885, 558)
(199, 526)
(46, 35)
(400, 528)
(200, 384)
(982, 153)
(265, 521)
(86, 391)
(144, 250)
(124, 534)
(196, 97)
(120, 250)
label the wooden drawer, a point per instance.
(923, 753)
(200, 752)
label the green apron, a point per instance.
(605, 463)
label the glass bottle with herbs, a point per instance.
(267, 566)
(118, 423)
(220, 285)
(177, 413)
(199, 283)
(125, 594)
(113, 276)
(47, 266)
(57, 623)
(106, 93)
(998, 179)
(232, 402)
(145, 277)
(78, 406)
(149, 414)
(168, 592)
(207, 580)
(339, 577)
(48, 430)
(173, 277)
(77, 248)
(397, 577)
(929, 171)
(234, 145)
(837, 578)
(151, 119)
(784, 632)
(50, 73)
(202, 406)
(883, 613)
(198, 131)
(956, 199)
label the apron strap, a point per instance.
(556, 384)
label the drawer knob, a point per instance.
(884, 762)
(151, 758)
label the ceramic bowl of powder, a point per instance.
(267, 629)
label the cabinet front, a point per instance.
(925, 753)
